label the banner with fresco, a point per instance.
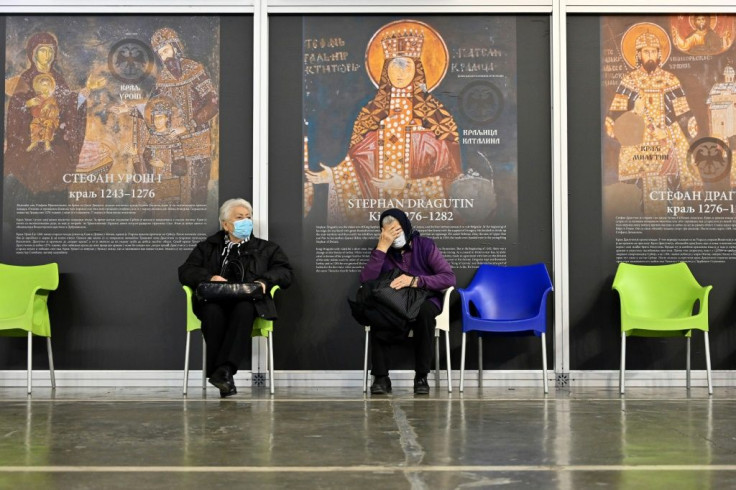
(668, 133)
(411, 113)
(111, 133)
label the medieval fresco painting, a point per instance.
(111, 125)
(668, 98)
(417, 114)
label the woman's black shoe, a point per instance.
(222, 378)
(421, 387)
(381, 385)
(233, 391)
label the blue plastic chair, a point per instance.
(508, 300)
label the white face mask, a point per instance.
(400, 241)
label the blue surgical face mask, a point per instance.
(243, 228)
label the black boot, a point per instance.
(222, 378)
(421, 387)
(381, 385)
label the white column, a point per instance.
(259, 351)
(560, 260)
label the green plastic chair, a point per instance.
(658, 301)
(24, 291)
(261, 328)
(193, 323)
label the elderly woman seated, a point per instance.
(233, 254)
(421, 265)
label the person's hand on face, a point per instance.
(388, 235)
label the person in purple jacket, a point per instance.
(423, 266)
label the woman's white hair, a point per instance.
(228, 205)
(387, 220)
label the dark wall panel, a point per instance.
(302, 342)
(126, 310)
(594, 308)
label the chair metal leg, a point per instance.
(707, 363)
(272, 384)
(204, 364)
(51, 363)
(365, 361)
(186, 364)
(437, 358)
(462, 365)
(544, 364)
(621, 381)
(480, 361)
(30, 356)
(447, 360)
(687, 365)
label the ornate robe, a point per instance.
(402, 145)
(195, 95)
(660, 160)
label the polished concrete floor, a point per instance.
(136, 439)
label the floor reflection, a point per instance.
(476, 439)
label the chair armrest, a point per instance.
(446, 297)
(465, 302)
(624, 310)
(443, 319)
(50, 280)
(703, 298)
(543, 301)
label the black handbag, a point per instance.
(404, 302)
(216, 291)
(388, 311)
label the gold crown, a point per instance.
(165, 35)
(158, 105)
(647, 40)
(406, 43)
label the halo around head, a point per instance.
(434, 55)
(712, 20)
(646, 29)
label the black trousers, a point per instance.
(423, 328)
(227, 328)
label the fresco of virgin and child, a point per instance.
(46, 123)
